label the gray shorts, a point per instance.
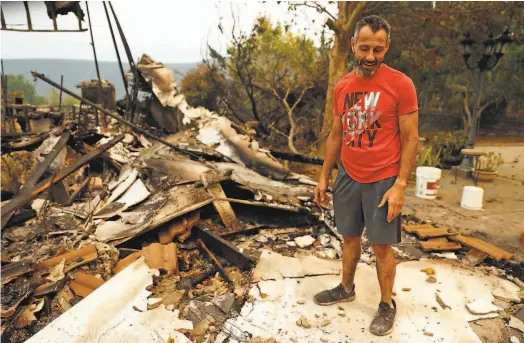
(356, 206)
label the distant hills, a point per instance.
(75, 71)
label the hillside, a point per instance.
(75, 71)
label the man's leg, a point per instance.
(382, 235)
(386, 270)
(349, 219)
(350, 257)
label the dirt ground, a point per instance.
(513, 155)
(500, 223)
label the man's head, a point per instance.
(370, 43)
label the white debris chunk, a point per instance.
(507, 291)
(482, 307)
(304, 241)
(448, 254)
(516, 323)
(514, 339)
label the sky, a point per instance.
(168, 31)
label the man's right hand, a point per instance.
(321, 197)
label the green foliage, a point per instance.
(490, 162)
(19, 84)
(426, 157)
(53, 99)
(202, 86)
(450, 143)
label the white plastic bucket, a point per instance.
(472, 198)
(428, 182)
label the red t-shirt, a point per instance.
(369, 109)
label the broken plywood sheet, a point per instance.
(124, 174)
(136, 193)
(484, 246)
(104, 317)
(273, 266)
(275, 311)
(159, 256)
(131, 223)
(180, 170)
(181, 200)
(123, 186)
(439, 244)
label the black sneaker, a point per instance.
(335, 295)
(382, 324)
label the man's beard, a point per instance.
(365, 71)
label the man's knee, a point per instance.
(382, 250)
(349, 240)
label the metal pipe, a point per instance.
(116, 48)
(60, 97)
(99, 97)
(112, 115)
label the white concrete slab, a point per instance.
(274, 314)
(107, 315)
(273, 266)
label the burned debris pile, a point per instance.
(154, 221)
(86, 204)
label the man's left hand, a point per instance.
(395, 198)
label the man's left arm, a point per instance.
(408, 124)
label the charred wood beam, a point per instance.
(79, 190)
(21, 217)
(44, 185)
(40, 170)
(112, 115)
(215, 260)
(59, 193)
(224, 248)
(297, 157)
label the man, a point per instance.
(375, 135)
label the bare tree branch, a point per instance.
(354, 15)
(317, 6)
(300, 97)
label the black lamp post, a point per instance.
(494, 49)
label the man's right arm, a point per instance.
(332, 154)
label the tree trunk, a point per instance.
(348, 15)
(291, 135)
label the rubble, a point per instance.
(516, 324)
(182, 236)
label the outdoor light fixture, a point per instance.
(494, 49)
